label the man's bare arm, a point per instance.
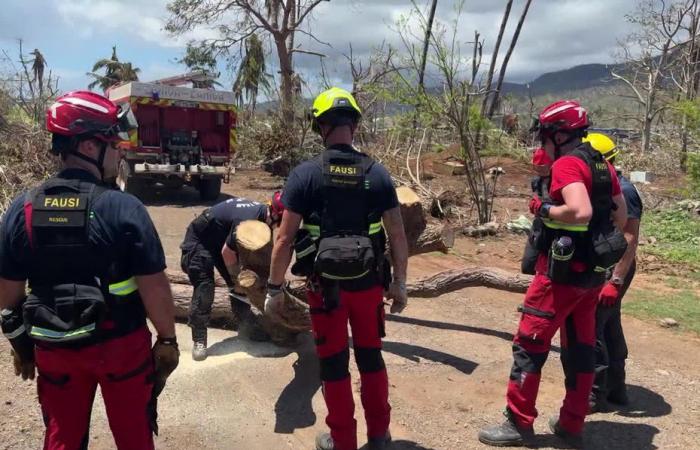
(619, 214)
(230, 259)
(284, 244)
(577, 207)
(393, 224)
(158, 301)
(631, 231)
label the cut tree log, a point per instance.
(421, 237)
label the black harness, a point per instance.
(343, 244)
(79, 295)
(601, 245)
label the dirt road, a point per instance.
(448, 360)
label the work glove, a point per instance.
(538, 207)
(23, 368)
(397, 293)
(166, 356)
(610, 294)
(273, 299)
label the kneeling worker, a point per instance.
(210, 241)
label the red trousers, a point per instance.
(365, 312)
(67, 382)
(549, 307)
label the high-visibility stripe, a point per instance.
(45, 333)
(123, 288)
(308, 250)
(564, 226)
(333, 277)
(315, 230)
(15, 333)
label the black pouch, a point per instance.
(345, 257)
(539, 237)
(608, 246)
(65, 313)
(305, 249)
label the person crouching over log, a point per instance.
(210, 241)
(578, 239)
(343, 197)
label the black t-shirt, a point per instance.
(225, 217)
(303, 190)
(120, 226)
(632, 198)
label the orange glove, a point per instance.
(610, 294)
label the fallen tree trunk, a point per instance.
(453, 280)
(294, 317)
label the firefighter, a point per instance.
(210, 242)
(611, 348)
(94, 266)
(578, 239)
(346, 201)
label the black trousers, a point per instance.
(611, 348)
(198, 262)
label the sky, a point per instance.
(73, 34)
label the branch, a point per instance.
(307, 52)
(629, 83)
(303, 15)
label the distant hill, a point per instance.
(575, 78)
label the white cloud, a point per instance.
(125, 18)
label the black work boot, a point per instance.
(506, 434)
(597, 403)
(379, 443)
(574, 440)
(619, 396)
(324, 441)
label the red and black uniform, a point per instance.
(569, 306)
(201, 253)
(80, 245)
(329, 211)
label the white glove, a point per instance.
(273, 299)
(397, 293)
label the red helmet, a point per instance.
(276, 206)
(87, 113)
(564, 115)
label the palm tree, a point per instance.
(115, 72)
(251, 73)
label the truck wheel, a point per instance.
(125, 180)
(209, 188)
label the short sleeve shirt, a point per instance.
(571, 169)
(230, 213)
(632, 198)
(303, 191)
(119, 225)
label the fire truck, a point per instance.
(184, 136)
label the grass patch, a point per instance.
(682, 305)
(677, 236)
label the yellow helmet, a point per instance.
(603, 144)
(335, 99)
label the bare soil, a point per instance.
(448, 360)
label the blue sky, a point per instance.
(73, 34)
